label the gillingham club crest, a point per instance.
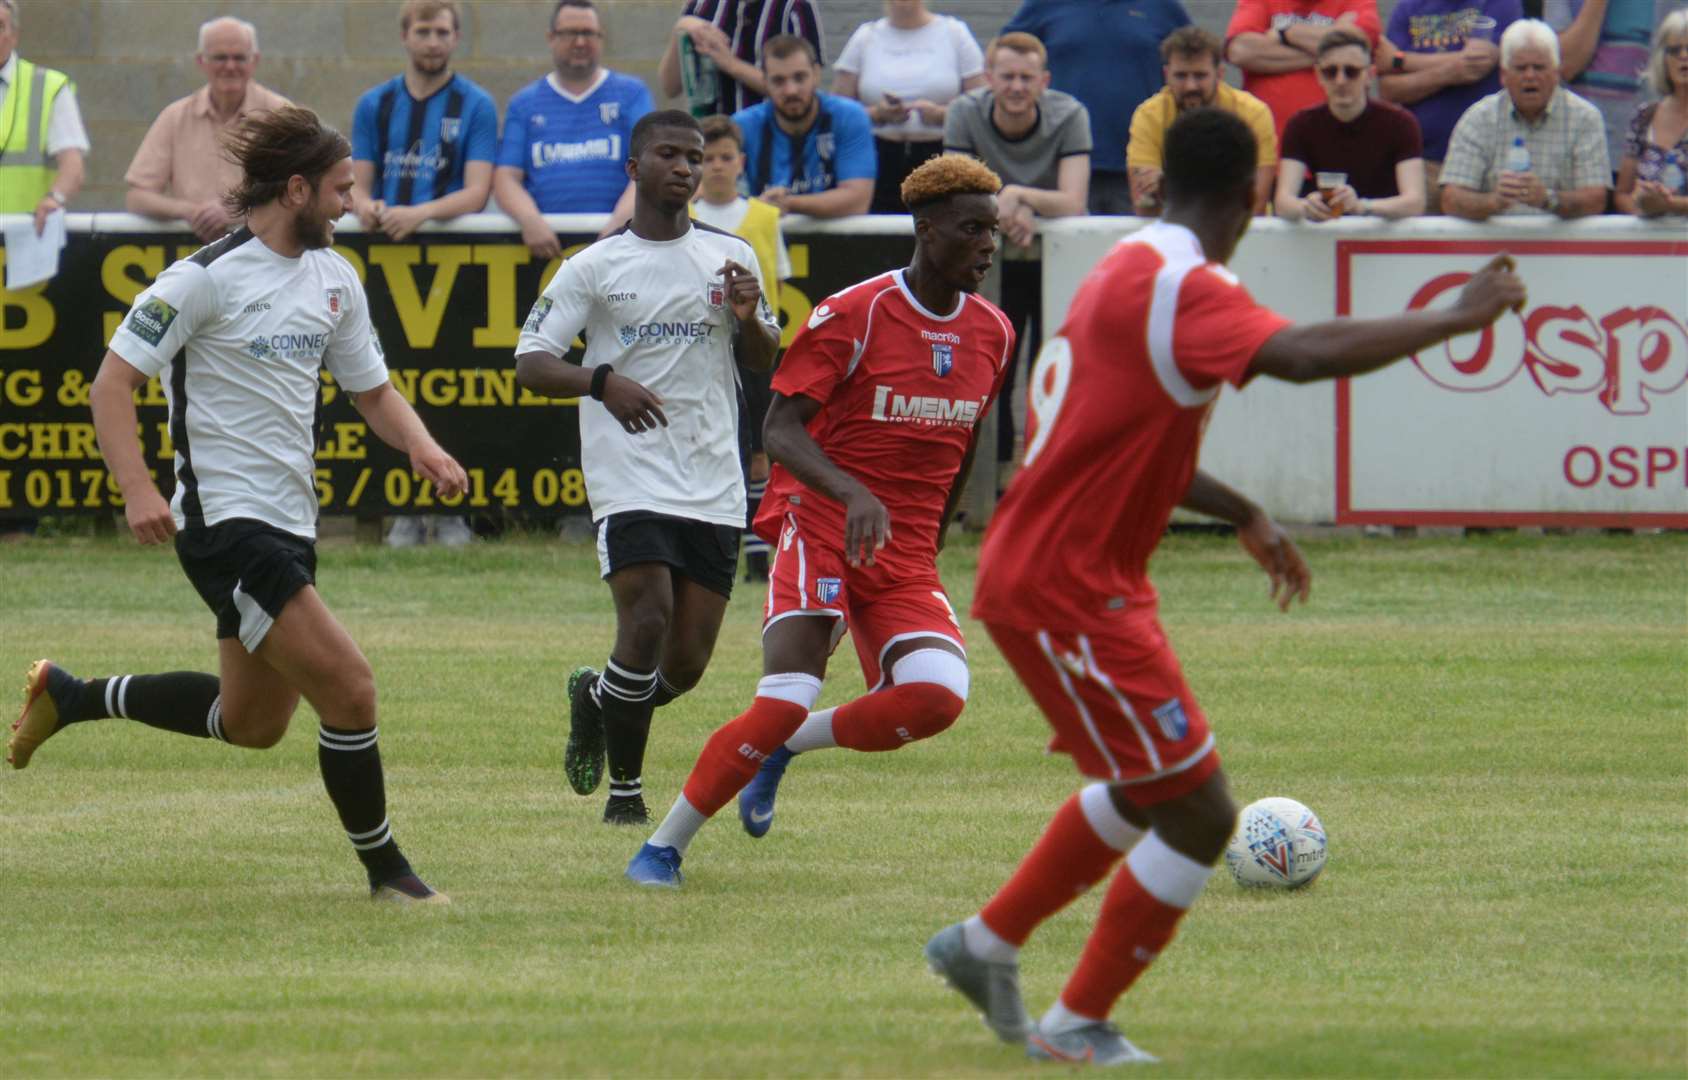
(827, 588)
(943, 358)
(609, 111)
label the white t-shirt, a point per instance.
(928, 63)
(729, 216)
(656, 311)
(239, 336)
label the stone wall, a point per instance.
(130, 58)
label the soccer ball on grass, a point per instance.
(1279, 844)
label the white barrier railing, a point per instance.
(1574, 412)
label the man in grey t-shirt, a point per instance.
(1038, 141)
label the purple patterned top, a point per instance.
(1664, 165)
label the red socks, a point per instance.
(1140, 914)
(736, 750)
(891, 718)
(1066, 861)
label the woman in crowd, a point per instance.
(1653, 176)
(906, 68)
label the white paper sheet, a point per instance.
(30, 258)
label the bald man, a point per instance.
(179, 173)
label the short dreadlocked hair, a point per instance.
(947, 175)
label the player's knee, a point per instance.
(930, 709)
(639, 640)
(351, 703)
(1203, 824)
(934, 684)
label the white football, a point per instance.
(1279, 844)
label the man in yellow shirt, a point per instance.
(1190, 61)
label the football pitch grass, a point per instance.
(1491, 729)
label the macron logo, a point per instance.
(820, 315)
(896, 409)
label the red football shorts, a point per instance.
(1119, 705)
(809, 577)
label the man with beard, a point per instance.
(668, 307)
(872, 431)
(564, 148)
(806, 152)
(239, 334)
(1566, 172)
(422, 150)
(1190, 62)
(423, 142)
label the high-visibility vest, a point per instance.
(26, 174)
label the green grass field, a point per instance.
(1492, 730)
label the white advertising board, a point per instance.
(1573, 411)
(1586, 423)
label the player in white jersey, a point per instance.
(669, 310)
(239, 333)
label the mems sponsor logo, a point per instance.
(895, 408)
(605, 148)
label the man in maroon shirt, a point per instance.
(1374, 147)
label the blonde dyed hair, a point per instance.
(947, 175)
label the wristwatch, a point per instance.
(57, 196)
(1552, 203)
(1398, 62)
(1283, 36)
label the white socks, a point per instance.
(678, 828)
(987, 944)
(814, 734)
(1060, 1019)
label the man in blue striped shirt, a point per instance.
(567, 136)
(423, 142)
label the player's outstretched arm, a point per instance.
(785, 435)
(1259, 535)
(390, 416)
(112, 399)
(1346, 347)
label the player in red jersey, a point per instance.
(1119, 400)
(872, 430)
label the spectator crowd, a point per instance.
(1464, 107)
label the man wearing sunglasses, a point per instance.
(1373, 146)
(567, 135)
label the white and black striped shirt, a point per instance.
(240, 335)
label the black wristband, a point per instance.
(600, 375)
(1283, 36)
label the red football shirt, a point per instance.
(1118, 401)
(901, 389)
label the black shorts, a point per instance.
(246, 572)
(700, 550)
